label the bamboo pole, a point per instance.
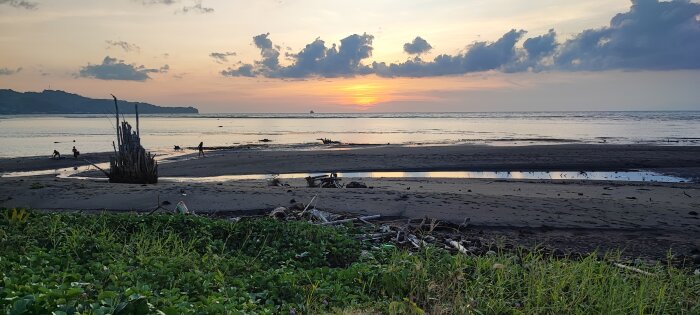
(116, 113)
(136, 109)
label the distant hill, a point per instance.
(60, 102)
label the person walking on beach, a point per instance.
(76, 153)
(200, 147)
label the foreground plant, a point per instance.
(129, 264)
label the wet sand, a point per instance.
(684, 161)
(646, 219)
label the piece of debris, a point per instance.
(355, 185)
(265, 140)
(279, 212)
(637, 270)
(328, 141)
(274, 180)
(369, 217)
(181, 208)
(324, 181)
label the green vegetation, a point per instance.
(174, 264)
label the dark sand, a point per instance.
(645, 219)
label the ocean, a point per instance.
(40, 135)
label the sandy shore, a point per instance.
(646, 219)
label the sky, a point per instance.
(364, 55)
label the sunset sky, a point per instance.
(345, 56)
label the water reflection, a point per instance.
(630, 176)
(635, 176)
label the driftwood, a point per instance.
(458, 246)
(131, 163)
(369, 217)
(637, 270)
(324, 181)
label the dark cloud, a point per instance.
(197, 7)
(480, 56)
(20, 4)
(540, 46)
(114, 69)
(7, 71)
(221, 57)
(315, 60)
(417, 46)
(270, 55)
(128, 47)
(241, 71)
(651, 36)
(535, 55)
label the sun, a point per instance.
(364, 95)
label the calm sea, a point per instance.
(40, 135)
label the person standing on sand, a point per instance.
(76, 153)
(200, 147)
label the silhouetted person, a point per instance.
(56, 155)
(200, 147)
(76, 153)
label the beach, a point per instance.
(643, 218)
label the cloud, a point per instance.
(221, 57)
(197, 7)
(128, 47)
(480, 56)
(417, 46)
(28, 5)
(651, 36)
(315, 60)
(540, 46)
(242, 71)
(536, 54)
(7, 71)
(114, 69)
(166, 2)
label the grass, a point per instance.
(129, 264)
